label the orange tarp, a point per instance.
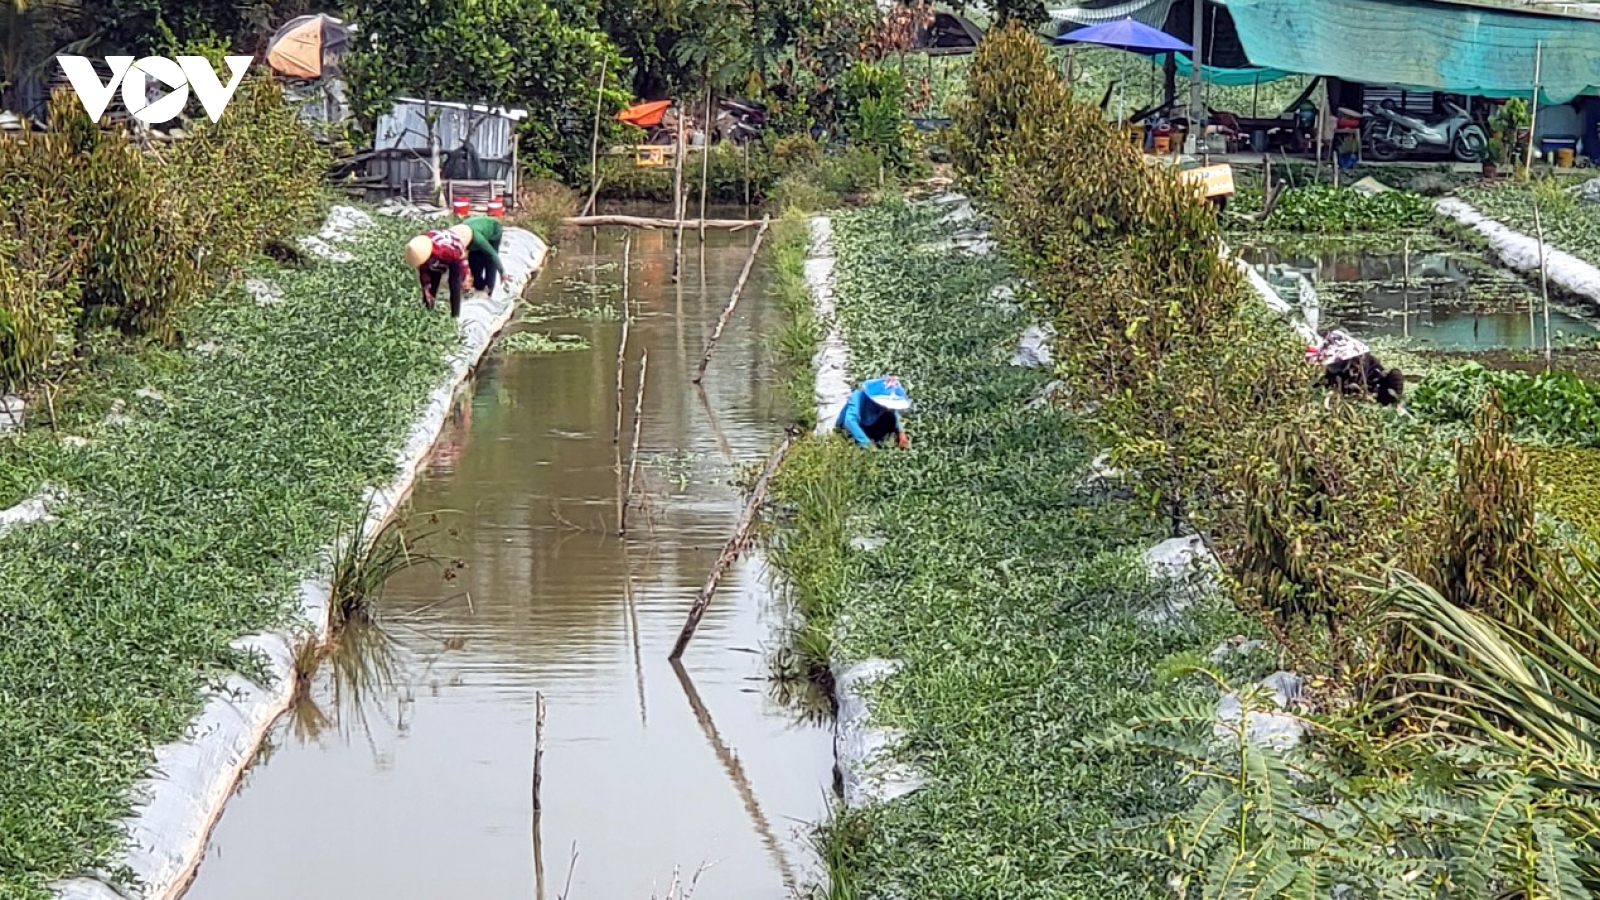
(644, 115)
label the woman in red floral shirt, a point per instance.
(435, 255)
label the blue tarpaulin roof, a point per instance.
(1228, 77)
(1424, 44)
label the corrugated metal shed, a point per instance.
(472, 136)
(405, 127)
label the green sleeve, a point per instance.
(484, 236)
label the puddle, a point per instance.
(1433, 299)
(409, 775)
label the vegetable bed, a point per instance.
(188, 526)
(1011, 591)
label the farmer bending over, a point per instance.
(873, 413)
(476, 241)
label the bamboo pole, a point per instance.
(622, 345)
(1533, 111)
(679, 203)
(594, 144)
(705, 161)
(593, 196)
(1405, 297)
(733, 300)
(1544, 283)
(633, 457)
(652, 222)
(538, 854)
(538, 750)
(735, 544)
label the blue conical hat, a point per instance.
(888, 393)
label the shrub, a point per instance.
(876, 96)
(1326, 498)
(250, 179)
(101, 234)
(1011, 68)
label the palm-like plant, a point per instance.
(1528, 691)
(1313, 822)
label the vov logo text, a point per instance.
(178, 75)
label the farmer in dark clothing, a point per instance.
(471, 248)
(872, 413)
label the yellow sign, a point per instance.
(650, 155)
(1212, 181)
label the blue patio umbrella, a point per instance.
(1129, 35)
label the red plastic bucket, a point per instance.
(497, 208)
(461, 206)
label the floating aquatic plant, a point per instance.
(539, 342)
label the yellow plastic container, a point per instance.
(1564, 157)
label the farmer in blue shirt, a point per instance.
(873, 413)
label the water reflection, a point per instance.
(1436, 300)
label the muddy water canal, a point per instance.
(407, 775)
(1434, 298)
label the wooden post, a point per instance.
(1405, 296)
(622, 345)
(679, 203)
(538, 750)
(633, 457)
(733, 300)
(735, 544)
(747, 179)
(705, 161)
(594, 145)
(1544, 283)
(1533, 115)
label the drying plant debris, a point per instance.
(186, 527)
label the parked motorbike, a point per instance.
(1389, 133)
(740, 121)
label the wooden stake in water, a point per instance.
(538, 750)
(733, 300)
(735, 544)
(633, 457)
(705, 161)
(594, 145)
(622, 345)
(1544, 282)
(747, 179)
(1405, 296)
(680, 202)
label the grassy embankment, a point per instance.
(186, 527)
(1317, 509)
(1012, 592)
